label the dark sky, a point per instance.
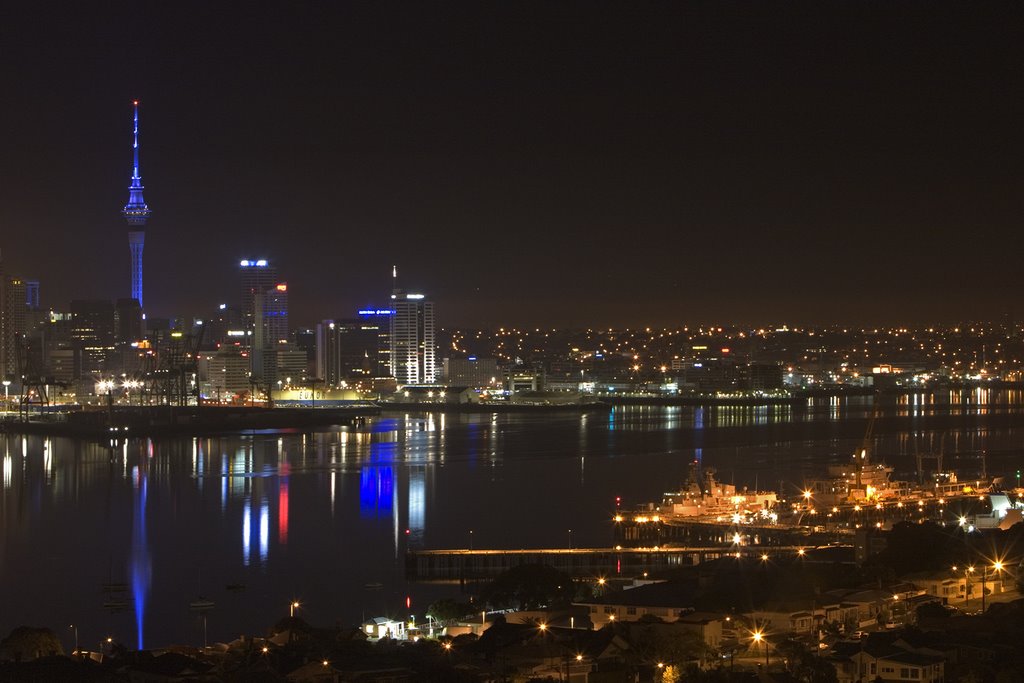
(542, 163)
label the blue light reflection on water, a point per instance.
(141, 563)
(377, 481)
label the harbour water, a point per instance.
(147, 526)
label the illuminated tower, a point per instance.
(136, 212)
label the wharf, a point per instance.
(135, 421)
(460, 565)
(442, 407)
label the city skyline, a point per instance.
(843, 164)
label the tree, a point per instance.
(529, 586)
(446, 610)
(26, 643)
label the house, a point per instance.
(382, 627)
(883, 657)
(666, 600)
(782, 618)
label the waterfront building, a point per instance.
(227, 373)
(413, 340)
(285, 364)
(136, 212)
(471, 372)
(520, 378)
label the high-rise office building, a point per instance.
(13, 322)
(136, 212)
(270, 322)
(257, 276)
(270, 330)
(413, 339)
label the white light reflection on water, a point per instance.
(264, 530)
(246, 530)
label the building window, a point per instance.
(631, 610)
(609, 610)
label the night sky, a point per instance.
(553, 164)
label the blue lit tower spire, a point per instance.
(136, 212)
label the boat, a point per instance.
(201, 605)
(703, 497)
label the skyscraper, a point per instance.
(270, 331)
(257, 276)
(413, 339)
(12, 322)
(136, 212)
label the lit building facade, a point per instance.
(413, 339)
(472, 372)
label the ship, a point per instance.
(703, 497)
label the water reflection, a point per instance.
(141, 568)
(321, 515)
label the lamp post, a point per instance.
(7, 396)
(75, 629)
(967, 585)
(292, 607)
(998, 567)
(759, 637)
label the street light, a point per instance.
(758, 637)
(75, 628)
(998, 567)
(292, 607)
(7, 396)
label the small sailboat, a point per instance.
(201, 603)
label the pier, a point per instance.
(136, 421)
(458, 565)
